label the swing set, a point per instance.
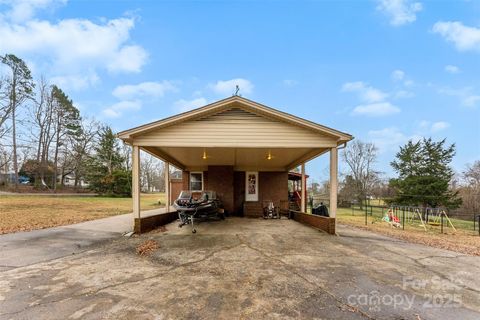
(432, 217)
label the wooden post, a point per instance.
(304, 191)
(136, 181)
(167, 186)
(333, 181)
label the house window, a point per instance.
(196, 181)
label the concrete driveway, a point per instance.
(247, 268)
(25, 248)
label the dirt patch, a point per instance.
(147, 247)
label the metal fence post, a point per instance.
(478, 216)
(366, 213)
(403, 218)
(442, 223)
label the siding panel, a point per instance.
(238, 128)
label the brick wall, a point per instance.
(176, 185)
(230, 188)
(271, 186)
(238, 192)
(146, 224)
(220, 180)
(323, 223)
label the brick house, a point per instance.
(239, 148)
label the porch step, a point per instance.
(293, 205)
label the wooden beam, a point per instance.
(306, 157)
(136, 181)
(163, 156)
(304, 191)
(167, 186)
(333, 181)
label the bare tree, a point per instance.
(360, 158)
(5, 107)
(42, 127)
(470, 192)
(472, 175)
(19, 86)
(151, 173)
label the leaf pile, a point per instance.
(147, 247)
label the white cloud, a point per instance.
(387, 139)
(76, 82)
(186, 105)
(227, 87)
(21, 10)
(289, 83)
(401, 94)
(471, 100)
(68, 47)
(143, 90)
(433, 127)
(398, 75)
(400, 12)
(376, 109)
(463, 37)
(439, 126)
(76, 42)
(466, 95)
(117, 109)
(365, 92)
(128, 59)
(452, 69)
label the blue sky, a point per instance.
(384, 71)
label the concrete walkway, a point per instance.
(26, 248)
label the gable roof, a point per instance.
(240, 102)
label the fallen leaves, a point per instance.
(460, 241)
(31, 212)
(147, 247)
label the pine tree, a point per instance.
(424, 174)
(105, 171)
(19, 87)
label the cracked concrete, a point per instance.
(249, 269)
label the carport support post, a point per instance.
(333, 182)
(136, 182)
(167, 186)
(304, 191)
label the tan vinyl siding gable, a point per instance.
(235, 127)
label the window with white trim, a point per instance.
(196, 181)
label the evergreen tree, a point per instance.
(67, 123)
(424, 174)
(18, 88)
(105, 171)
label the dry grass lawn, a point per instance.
(464, 240)
(23, 213)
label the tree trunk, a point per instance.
(14, 142)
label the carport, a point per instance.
(239, 148)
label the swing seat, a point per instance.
(435, 224)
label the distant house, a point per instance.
(9, 178)
(69, 181)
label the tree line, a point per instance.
(44, 139)
(424, 177)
